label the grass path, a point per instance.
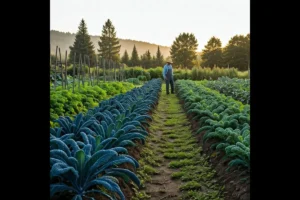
(172, 166)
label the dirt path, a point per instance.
(172, 166)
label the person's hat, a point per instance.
(169, 61)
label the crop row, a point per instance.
(224, 121)
(66, 103)
(86, 153)
(239, 89)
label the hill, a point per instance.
(64, 40)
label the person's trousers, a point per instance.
(171, 82)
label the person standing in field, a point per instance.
(168, 76)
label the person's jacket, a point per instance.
(166, 69)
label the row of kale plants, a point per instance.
(86, 154)
(222, 120)
(239, 89)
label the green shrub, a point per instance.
(135, 81)
(70, 70)
(155, 72)
(142, 78)
(199, 73)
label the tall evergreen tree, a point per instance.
(134, 61)
(147, 59)
(118, 58)
(82, 45)
(125, 58)
(183, 50)
(153, 61)
(143, 60)
(159, 58)
(109, 46)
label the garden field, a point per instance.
(120, 140)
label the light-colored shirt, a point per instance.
(166, 67)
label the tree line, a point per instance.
(235, 54)
(183, 50)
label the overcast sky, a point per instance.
(155, 21)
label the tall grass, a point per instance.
(244, 74)
(199, 73)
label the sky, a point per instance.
(155, 21)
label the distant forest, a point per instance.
(64, 40)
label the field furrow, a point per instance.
(172, 166)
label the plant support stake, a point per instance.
(61, 69)
(55, 68)
(88, 58)
(83, 72)
(74, 65)
(66, 77)
(104, 73)
(114, 65)
(79, 71)
(97, 73)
